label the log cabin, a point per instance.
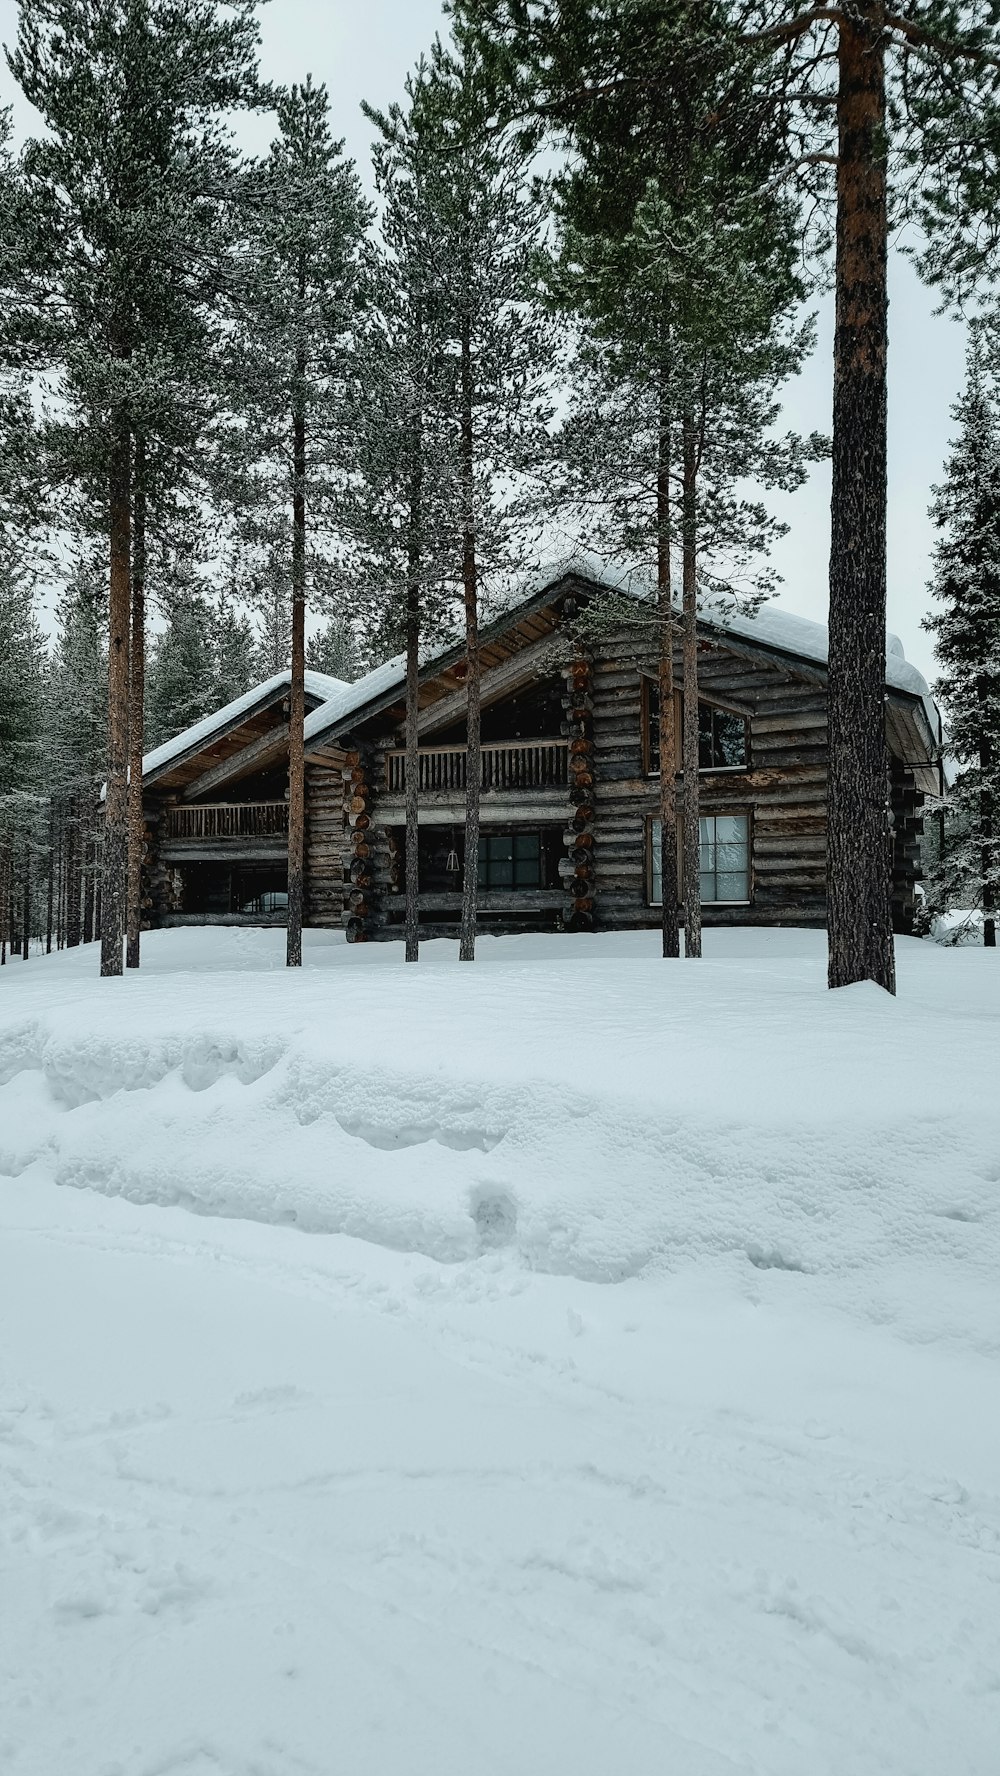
(570, 790)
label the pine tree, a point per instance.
(22, 763)
(400, 520)
(75, 742)
(686, 289)
(842, 97)
(128, 184)
(966, 512)
(485, 224)
(233, 650)
(183, 681)
(335, 649)
(295, 321)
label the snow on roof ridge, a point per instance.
(773, 627)
(318, 684)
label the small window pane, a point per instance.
(510, 860)
(725, 857)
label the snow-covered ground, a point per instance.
(575, 1364)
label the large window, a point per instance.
(723, 736)
(724, 859)
(510, 860)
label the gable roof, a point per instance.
(778, 632)
(320, 687)
(792, 639)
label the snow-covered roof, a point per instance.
(318, 684)
(770, 627)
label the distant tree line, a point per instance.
(271, 423)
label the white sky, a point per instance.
(363, 49)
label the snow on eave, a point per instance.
(318, 684)
(779, 631)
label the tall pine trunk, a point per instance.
(692, 795)
(411, 738)
(297, 712)
(116, 796)
(74, 867)
(987, 837)
(858, 836)
(51, 884)
(470, 588)
(136, 716)
(4, 901)
(670, 931)
(26, 929)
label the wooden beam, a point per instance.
(238, 763)
(520, 668)
(217, 734)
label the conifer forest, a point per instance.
(267, 413)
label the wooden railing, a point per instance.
(513, 764)
(229, 820)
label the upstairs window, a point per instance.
(510, 860)
(723, 736)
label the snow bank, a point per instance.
(638, 1409)
(732, 1114)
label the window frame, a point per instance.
(711, 814)
(651, 765)
(513, 886)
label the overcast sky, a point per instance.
(363, 49)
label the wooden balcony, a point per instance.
(511, 765)
(217, 821)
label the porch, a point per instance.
(508, 765)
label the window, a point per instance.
(510, 860)
(723, 736)
(724, 857)
(259, 891)
(722, 739)
(724, 847)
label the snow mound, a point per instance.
(733, 1115)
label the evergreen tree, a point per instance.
(183, 681)
(128, 183)
(842, 96)
(336, 650)
(966, 512)
(233, 648)
(75, 741)
(22, 680)
(400, 518)
(485, 225)
(295, 321)
(670, 420)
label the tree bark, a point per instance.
(987, 838)
(470, 586)
(858, 834)
(116, 795)
(26, 930)
(411, 911)
(89, 885)
(670, 931)
(51, 886)
(137, 669)
(297, 712)
(4, 902)
(74, 846)
(692, 795)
